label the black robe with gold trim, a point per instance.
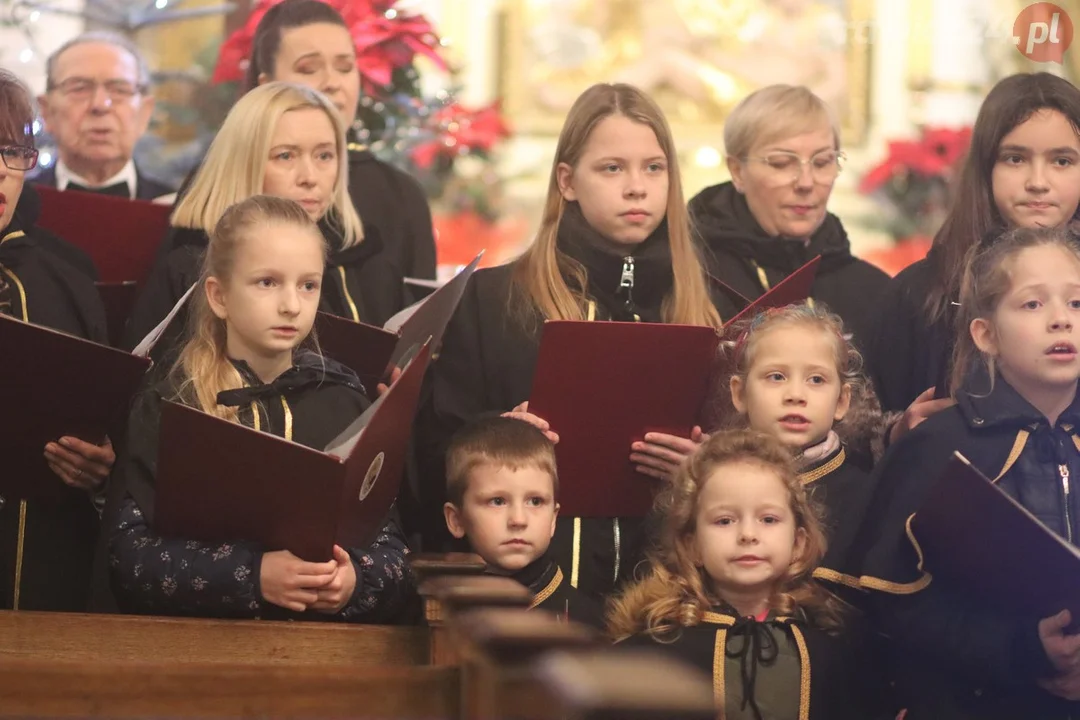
(310, 404)
(783, 667)
(953, 655)
(552, 592)
(46, 549)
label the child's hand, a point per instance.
(288, 581)
(335, 594)
(521, 412)
(921, 408)
(661, 455)
(80, 464)
(382, 388)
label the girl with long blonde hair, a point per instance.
(614, 244)
(730, 585)
(245, 362)
(288, 141)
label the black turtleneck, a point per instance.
(628, 284)
(738, 247)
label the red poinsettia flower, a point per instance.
(462, 131)
(386, 39)
(934, 154)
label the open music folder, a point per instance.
(219, 481)
(372, 352)
(974, 535)
(603, 385)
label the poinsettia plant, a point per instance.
(914, 183)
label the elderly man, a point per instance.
(97, 105)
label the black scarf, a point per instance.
(725, 221)
(627, 287)
(309, 370)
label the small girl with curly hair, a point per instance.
(730, 586)
(796, 377)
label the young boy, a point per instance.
(501, 488)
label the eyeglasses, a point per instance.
(784, 168)
(80, 88)
(19, 157)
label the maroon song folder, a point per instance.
(220, 481)
(55, 384)
(603, 385)
(975, 536)
(121, 236)
(372, 352)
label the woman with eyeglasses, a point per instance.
(46, 550)
(783, 151)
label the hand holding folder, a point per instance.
(219, 481)
(602, 385)
(974, 536)
(372, 352)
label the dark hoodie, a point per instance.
(742, 255)
(46, 548)
(359, 283)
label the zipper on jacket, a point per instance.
(618, 549)
(1063, 470)
(626, 281)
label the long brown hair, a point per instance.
(864, 420)
(676, 592)
(974, 214)
(203, 369)
(16, 111)
(986, 281)
(540, 273)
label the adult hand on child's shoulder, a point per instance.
(921, 408)
(80, 464)
(521, 412)
(661, 455)
(289, 582)
(335, 595)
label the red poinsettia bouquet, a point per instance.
(462, 131)
(914, 183)
(386, 39)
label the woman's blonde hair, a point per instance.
(203, 369)
(677, 591)
(541, 273)
(987, 279)
(235, 164)
(864, 421)
(773, 113)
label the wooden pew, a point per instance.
(123, 638)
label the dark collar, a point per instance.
(538, 574)
(309, 370)
(824, 466)
(604, 265)
(1003, 406)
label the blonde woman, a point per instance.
(284, 140)
(614, 195)
(783, 150)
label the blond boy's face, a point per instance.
(508, 515)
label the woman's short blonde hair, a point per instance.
(235, 164)
(773, 113)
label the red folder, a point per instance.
(372, 352)
(54, 385)
(121, 236)
(976, 537)
(219, 481)
(603, 385)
